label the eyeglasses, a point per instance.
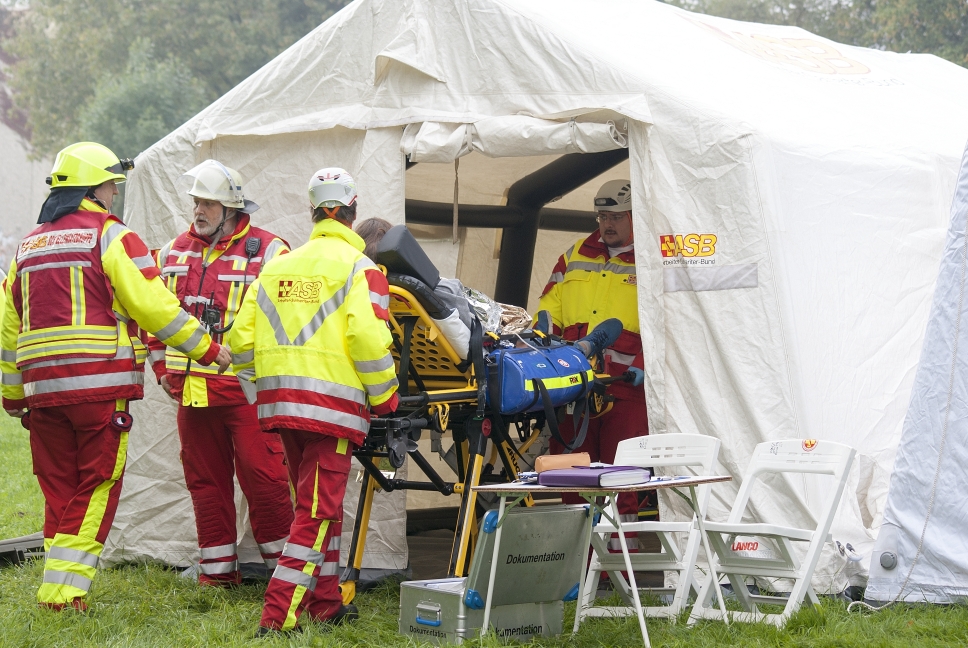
(616, 217)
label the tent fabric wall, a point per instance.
(929, 478)
(823, 171)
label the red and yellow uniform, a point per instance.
(309, 335)
(589, 285)
(219, 430)
(71, 351)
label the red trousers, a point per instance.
(307, 576)
(79, 453)
(627, 419)
(217, 443)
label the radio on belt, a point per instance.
(540, 546)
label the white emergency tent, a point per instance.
(789, 200)
(921, 553)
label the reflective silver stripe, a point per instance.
(615, 268)
(156, 356)
(11, 379)
(314, 412)
(306, 554)
(124, 353)
(175, 270)
(121, 318)
(295, 577)
(174, 326)
(556, 277)
(67, 578)
(165, 251)
(113, 231)
(212, 568)
(243, 358)
(273, 249)
(188, 253)
(329, 569)
(8, 356)
(76, 383)
(240, 259)
(334, 543)
(332, 304)
(192, 341)
(192, 300)
(584, 265)
(269, 310)
(246, 375)
(370, 366)
(274, 547)
(70, 334)
(221, 551)
(620, 358)
(376, 390)
(143, 262)
(311, 384)
(237, 278)
(73, 555)
(55, 264)
(383, 301)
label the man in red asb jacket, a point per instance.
(71, 353)
(209, 268)
(595, 280)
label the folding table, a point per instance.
(679, 485)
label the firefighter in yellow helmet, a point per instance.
(309, 335)
(72, 356)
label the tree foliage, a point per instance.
(934, 26)
(75, 59)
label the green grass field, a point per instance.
(151, 606)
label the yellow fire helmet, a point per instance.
(87, 164)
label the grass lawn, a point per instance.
(152, 606)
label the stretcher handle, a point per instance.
(628, 377)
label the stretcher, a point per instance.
(440, 392)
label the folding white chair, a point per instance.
(789, 456)
(678, 451)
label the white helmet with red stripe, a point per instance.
(332, 187)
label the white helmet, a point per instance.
(332, 187)
(212, 180)
(614, 196)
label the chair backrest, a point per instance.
(796, 456)
(672, 450)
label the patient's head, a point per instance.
(372, 231)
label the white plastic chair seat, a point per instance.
(760, 530)
(654, 527)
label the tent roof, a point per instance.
(392, 62)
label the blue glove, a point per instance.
(638, 376)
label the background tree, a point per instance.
(76, 59)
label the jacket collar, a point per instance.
(331, 228)
(594, 247)
(241, 229)
(91, 206)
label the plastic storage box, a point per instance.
(539, 564)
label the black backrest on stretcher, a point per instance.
(400, 253)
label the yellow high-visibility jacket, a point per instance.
(77, 291)
(308, 334)
(588, 286)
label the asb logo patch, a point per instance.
(72, 240)
(809, 444)
(297, 290)
(687, 245)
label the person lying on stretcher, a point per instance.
(395, 248)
